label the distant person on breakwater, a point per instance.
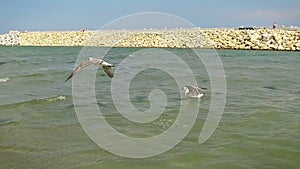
(275, 25)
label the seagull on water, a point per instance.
(194, 91)
(107, 67)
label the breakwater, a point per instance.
(257, 39)
(11, 38)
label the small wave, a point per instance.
(270, 87)
(5, 122)
(31, 75)
(56, 98)
(263, 67)
(225, 55)
(12, 61)
(3, 80)
(70, 61)
(35, 101)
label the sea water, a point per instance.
(259, 128)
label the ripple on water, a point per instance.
(6, 122)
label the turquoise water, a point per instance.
(259, 128)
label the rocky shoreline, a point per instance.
(10, 39)
(257, 39)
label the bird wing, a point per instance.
(108, 70)
(103, 63)
(201, 89)
(193, 91)
(80, 67)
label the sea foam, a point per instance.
(3, 80)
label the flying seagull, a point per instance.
(107, 67)
(194, 91)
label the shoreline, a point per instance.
(207, 38)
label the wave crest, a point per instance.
(56, 98)
(4, 79)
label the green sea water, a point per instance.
(259, 128)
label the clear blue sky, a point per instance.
(43, 15)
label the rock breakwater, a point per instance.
(64, 38)
(257, 39)
(10, 39)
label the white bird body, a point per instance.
(194, 91)
(107, 67)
